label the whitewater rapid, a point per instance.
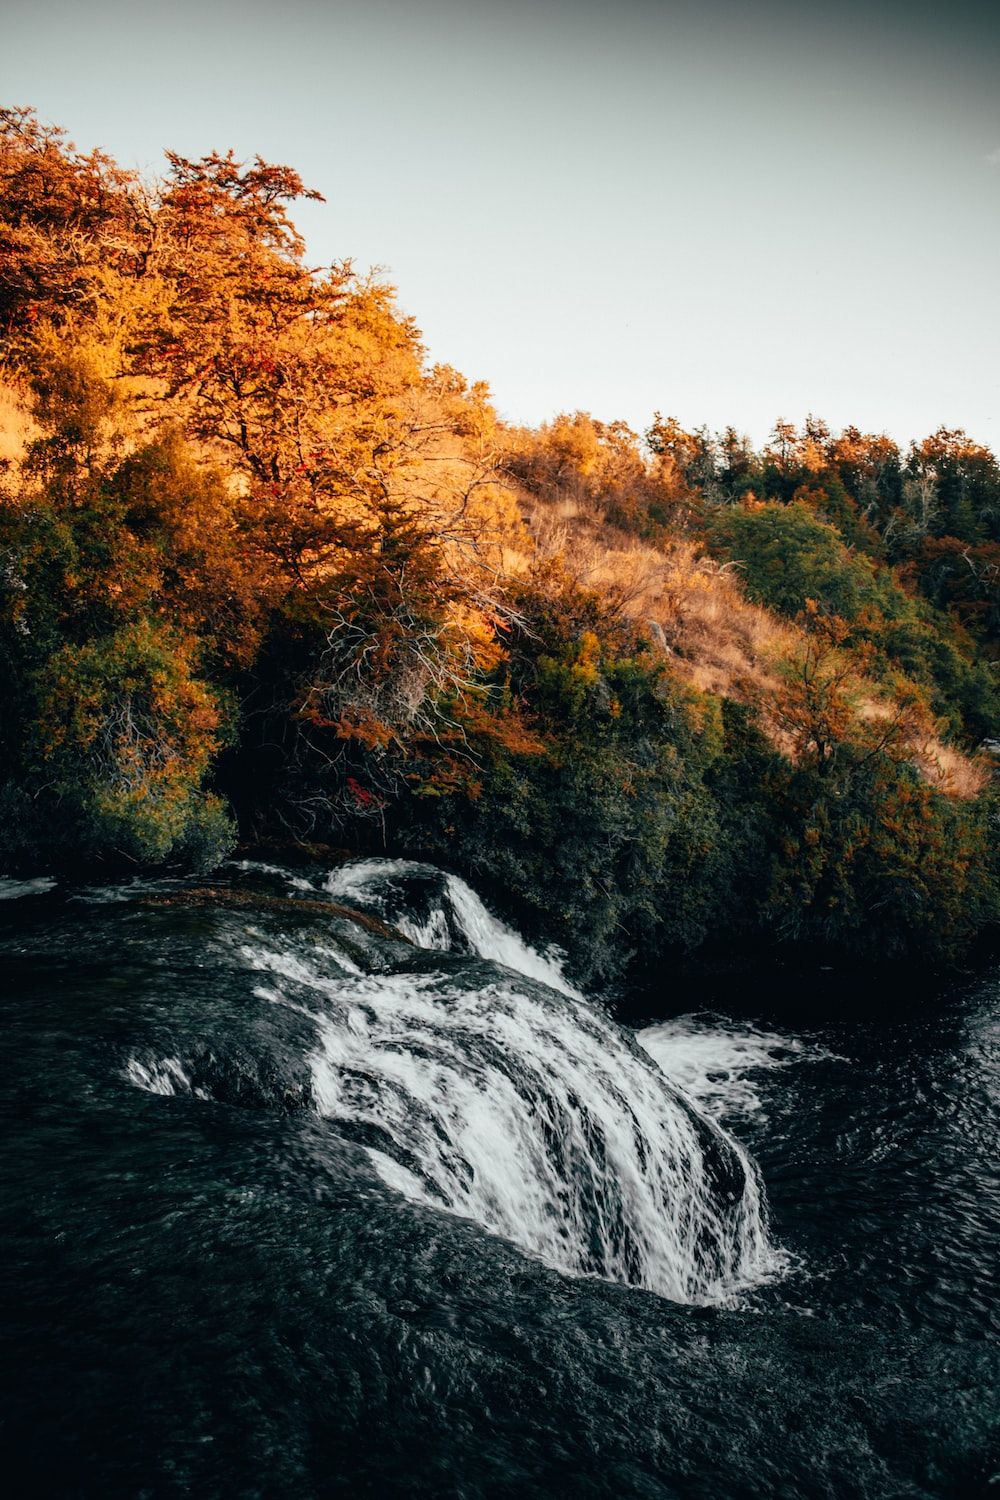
(480, 1082)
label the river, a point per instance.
(296, 1206)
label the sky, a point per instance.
(726, 212)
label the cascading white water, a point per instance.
(379, 882)
(545, 1126)
(528, 1111)
(492, 1090)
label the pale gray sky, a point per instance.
(726, 211)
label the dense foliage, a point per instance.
(262, 571)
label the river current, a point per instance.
(293, 1205)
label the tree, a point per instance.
(787, 555)
(69, 225)
(124, 739)
(966, 481)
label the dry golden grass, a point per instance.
(695, 608)
(953, 773)
(718, 640)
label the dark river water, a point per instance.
(296, 1207)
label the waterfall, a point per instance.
(454, 916)
(540, 1121)
(487, 1087)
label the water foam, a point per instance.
(260, 867)
(13, 890)
(720, 1065)
(161, 1075)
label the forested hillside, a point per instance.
(266, 575)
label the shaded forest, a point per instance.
(268, 576)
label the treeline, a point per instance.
(264, 574)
